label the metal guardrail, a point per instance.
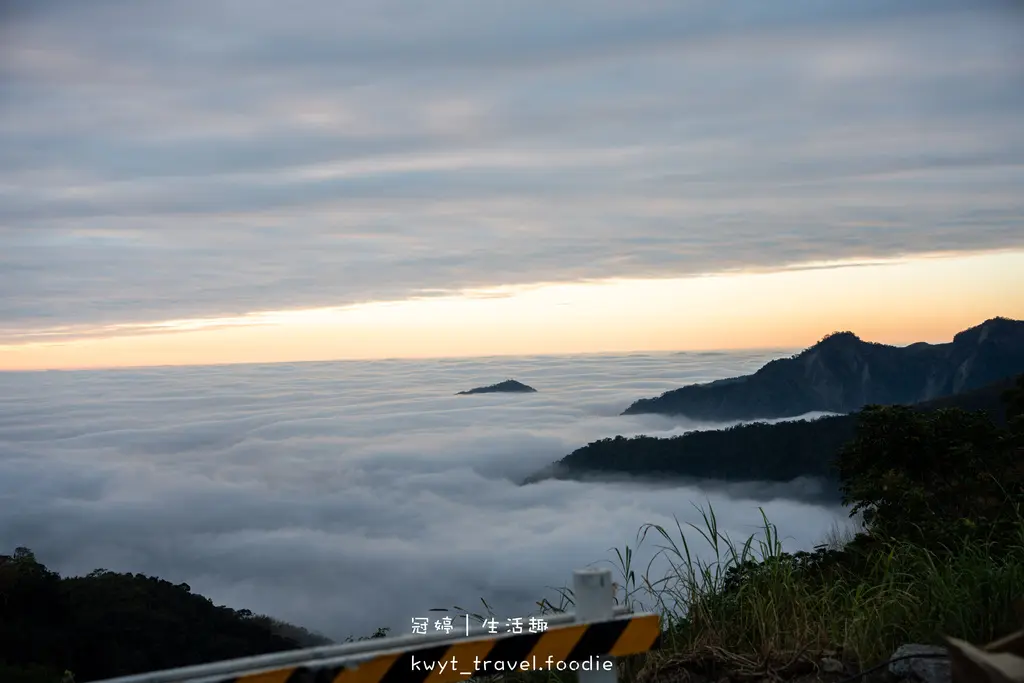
(586, 642)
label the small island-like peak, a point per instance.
(508, 386)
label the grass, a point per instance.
(781, 614)
(780, 619)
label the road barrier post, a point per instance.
(594, 594)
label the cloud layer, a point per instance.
(349, 496)
(166, 160)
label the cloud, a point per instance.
(349, 496)
(174, 160)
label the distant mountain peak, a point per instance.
(842, 373)
(508, 386)
(839, 337)
(842, 339)
(998, 325)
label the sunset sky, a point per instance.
(206, 181)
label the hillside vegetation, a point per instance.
(107, 624)
(756, 451)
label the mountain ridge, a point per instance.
(842, 373)
(768, 453)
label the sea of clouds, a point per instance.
(346, 496)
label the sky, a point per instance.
(206, 181)
(347, 496)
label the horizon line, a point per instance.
(59, 335)
(389, 359)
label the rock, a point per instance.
(932, 667)
(829, 665)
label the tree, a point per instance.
(931, 478)
(22, 554)
(107, 624)
(1014, 400)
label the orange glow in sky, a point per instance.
(899, 302)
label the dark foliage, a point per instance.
(934, 479)
(108, 624)
(379, 633)
(1014, 398)
(303, 637)
(756, 451)
(749, 452)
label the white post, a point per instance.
(594, 594)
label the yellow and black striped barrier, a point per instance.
(586, 642)
(564, 646)
(568, 647)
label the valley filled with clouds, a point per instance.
(348, 496)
